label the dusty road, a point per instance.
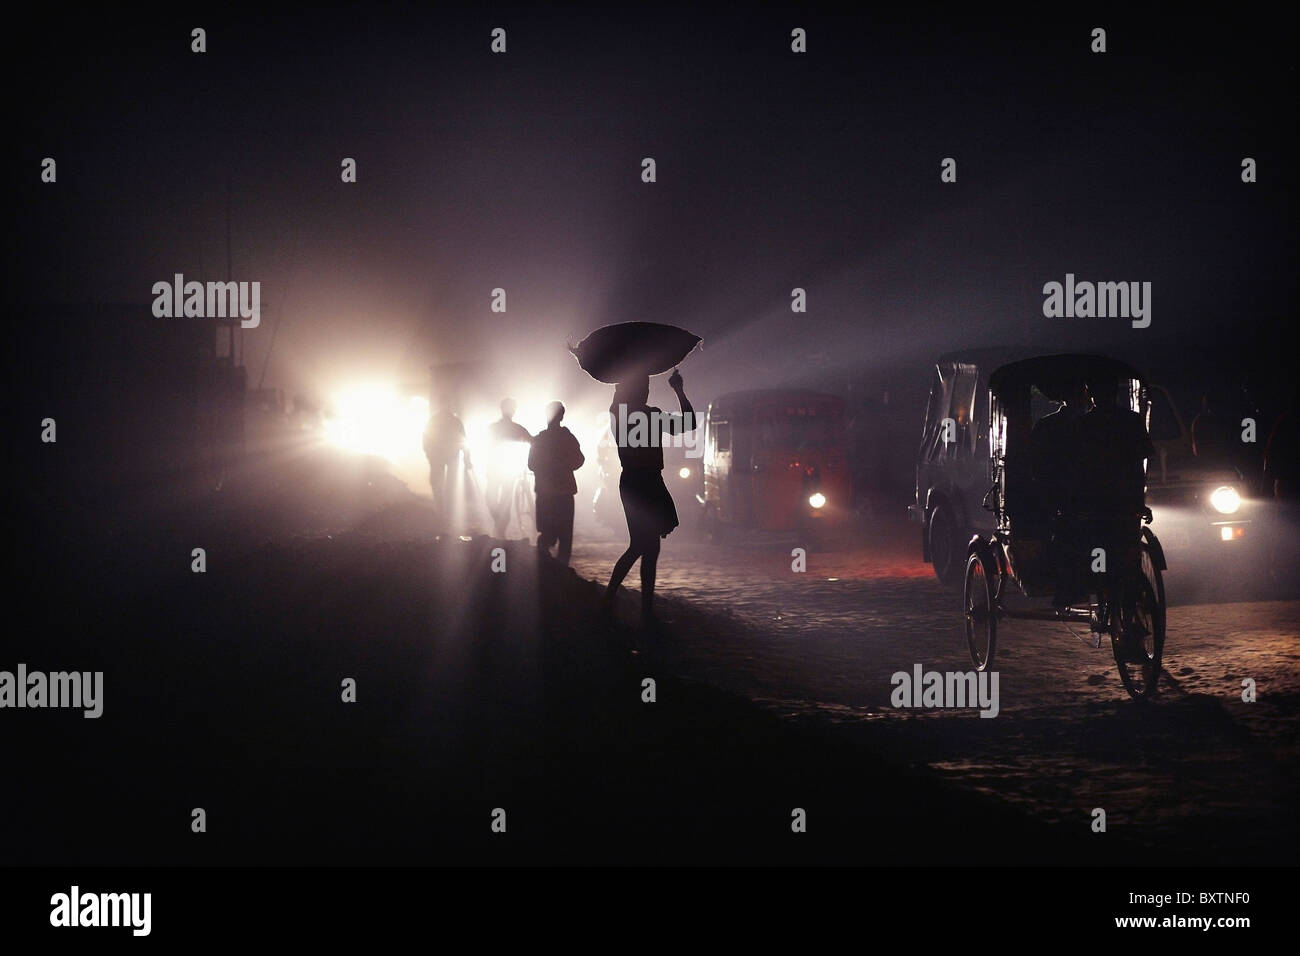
(306, 576)
(823, 644)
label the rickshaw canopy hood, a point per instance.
(1048, 369)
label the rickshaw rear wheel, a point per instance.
(981, 616)
(1144, 616)
(945, 545)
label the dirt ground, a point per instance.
(479, 690)
(823, 645)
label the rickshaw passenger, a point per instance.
(1057, 445)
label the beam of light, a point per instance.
(476, 438)
(458, 501)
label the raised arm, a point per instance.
(685, 422)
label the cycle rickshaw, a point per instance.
(1072, 533)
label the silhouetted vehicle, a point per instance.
(684, 475)
(1069, 526)
(776, 460)
(952, 462)
(1203, 503)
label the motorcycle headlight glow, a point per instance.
(1225, 500)
(684, 472)
(817, 500)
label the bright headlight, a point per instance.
(1225, 500)
(684, 472)
(374, 420)
(817, 500)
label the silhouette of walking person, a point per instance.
(651, 515)
(553, 459)
(503, 469)
(444, 444)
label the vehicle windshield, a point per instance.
(804, 426)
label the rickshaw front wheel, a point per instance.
(981, 616)
(1137, 632)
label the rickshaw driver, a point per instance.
(1113, 446)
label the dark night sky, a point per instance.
(774, 171)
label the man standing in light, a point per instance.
(502, 470)
(554, 457)
(444, 443)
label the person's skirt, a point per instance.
(646, 502)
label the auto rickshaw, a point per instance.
(776, 460)
(1069, 504)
